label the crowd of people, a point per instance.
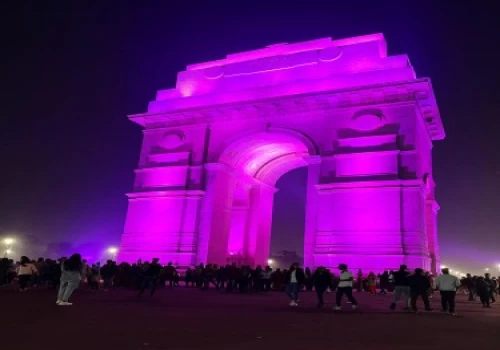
(67, 274)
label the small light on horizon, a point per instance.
(112, 250)
(8, 241)
(8, 251)
(270, 261)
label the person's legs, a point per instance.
(71, 286)
(154, 283)
(62, 290)
(145, 284)
(425, 298)
(451, 301)
(289, 291)
(296, 291)
(492, 296)
(471, 293)
(406, 298)
(485, 300)
(397, 295)
(23, 282)
(348, 293)
(413, 297)
(320, 292)
(444, 301)
(339, 295)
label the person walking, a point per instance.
(447, 286)
(483, 292)
(492, 287)
(71, 270)
(345, 287)
(372, 283)
(321, 279)
(25, 273)
(401, 287)
(471, 287)
(419, 287)
(294, 279)
(384, 282)
(151, 276)
(108, 274)
(266, 279)
(359, 281)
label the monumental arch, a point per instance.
(214, 146)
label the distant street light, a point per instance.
(270, 262)
(8, 242)
(112, 251)
(486, 269)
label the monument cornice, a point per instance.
(418, 92)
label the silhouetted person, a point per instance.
(189, 277)
(108, 274)
(419, 287)
(384, 282)
(309, 281)
(294, 279)
(491, 284)
(151, 276)
(470, 285)
(483, 292)
(321, 279)
(266, 279)
(359, 281)
(401, 287)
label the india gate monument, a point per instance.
(215, 145)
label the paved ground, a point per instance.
(191, 319)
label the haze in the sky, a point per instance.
(72, 71)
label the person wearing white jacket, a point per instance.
(447, 286)
(25, 273)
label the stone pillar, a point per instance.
(263, 238)
(161, 224)
(310, 230)
(215, 215)
(259, 224)
(431, 211)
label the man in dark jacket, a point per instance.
(492, 286)
(151, 276)
(419, 286)
(321, 280)
(294, 279)
(401, 287)
(108, 274)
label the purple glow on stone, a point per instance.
(359, 120)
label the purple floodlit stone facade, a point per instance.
(215, 145)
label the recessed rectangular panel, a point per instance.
(367, 163)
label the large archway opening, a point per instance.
(289, 218)
(253, 165)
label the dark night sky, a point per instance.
(72, 71)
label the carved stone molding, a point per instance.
(418, 92)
